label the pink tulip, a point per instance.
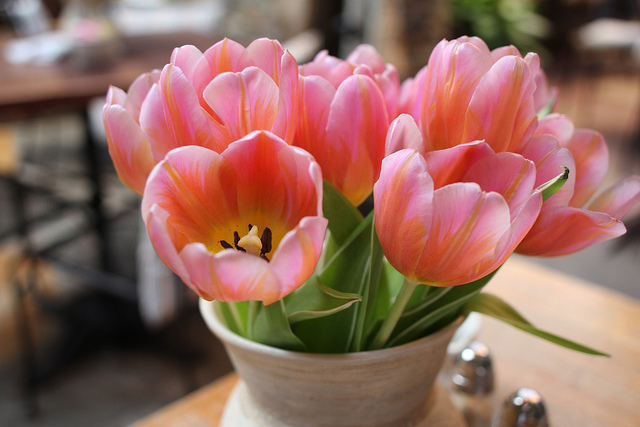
(452, 216)
(568, 222)
(467, 92)
(208, 99)
(245, 224)
(344, 117)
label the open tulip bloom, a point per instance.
(252, 169)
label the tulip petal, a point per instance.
(296, 257)
(229, 275)
(450, 81)
(355, 139)
(244, 101)
(138, 91)
(501, 110)
(550, 160)
(404, 133)
(266, 55)
(451, 164)
(558, 125)
(508, 174)
(403, 204)
(563, 230)
(128, 146)
(618, 200)
(467, 226)
(592, 162)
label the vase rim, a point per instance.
(211, 318)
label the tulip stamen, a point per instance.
(251, 243)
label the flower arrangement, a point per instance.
(256, 175)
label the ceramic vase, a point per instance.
(389, 387)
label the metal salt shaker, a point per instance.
(472, 384)
(523, 408)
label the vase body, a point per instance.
(389, 387)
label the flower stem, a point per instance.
(390, 322)
(236, 317)
(254, 307)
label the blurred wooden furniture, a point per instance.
(579, 390)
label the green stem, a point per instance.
(392, 318)
(254, 308)
(236, 317)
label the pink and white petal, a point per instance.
(451, 164)
(115, 96)
(389, 82)
(404, 133)
(524, 220)
(508, 174)
(266, 55)
(619, 199)
(315, 97)
(449, 86)
(187, 58)
(138, 91)
(296, 257)
(563, 230)
(558, 125)
(280, 184)
(332, 69)
(591, 155)
(403, 207)
(160, 233)
(197, 187)
(366, 54)
(550, 160)
(503, 51)
(128, 146)
(229, 276)
(244, 101)
(286, 120)
(501, 110)
(467, 226)
(355, 142)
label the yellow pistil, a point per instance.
(251, 242)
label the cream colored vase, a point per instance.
(390, 387)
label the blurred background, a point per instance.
(94, 330)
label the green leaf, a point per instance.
(495, 307)
(442, 307)
(234, 315)
(315, 300)
(366, 310)
(550, 187)
(345, 272)
(271, 327)
(342, 215)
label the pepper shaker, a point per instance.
(472, 384)
(523, 408)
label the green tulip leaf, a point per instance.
(495, 307)
(342, 215)
(550, 187)
(270, 326)
(314, 300)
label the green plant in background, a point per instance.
(502, 22)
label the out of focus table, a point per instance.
(580, 390)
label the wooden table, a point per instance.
(579, 390)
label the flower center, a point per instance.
(251, 243)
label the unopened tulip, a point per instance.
(452, 216)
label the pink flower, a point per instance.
(451, 216)
(467, 92)
(572, 219)
(245, 224)
(344, 117)
(208, 99)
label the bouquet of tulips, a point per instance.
(329, 208)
